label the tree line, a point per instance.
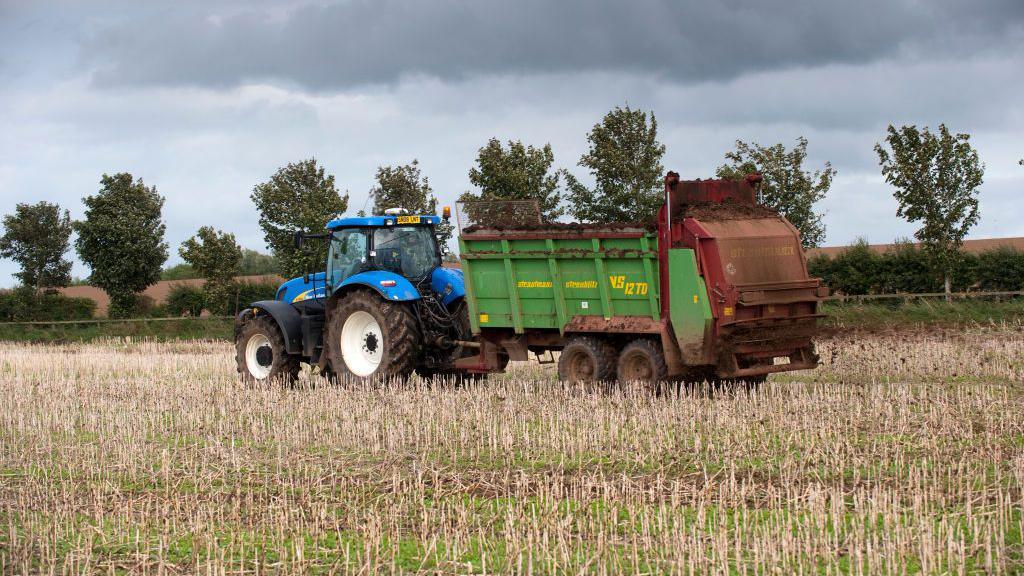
(936, 177)
(906, 268)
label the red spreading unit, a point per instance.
(764, 303)
(688, 192)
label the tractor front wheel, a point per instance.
(372, 338)
(260, 353)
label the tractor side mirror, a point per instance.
(299, 238)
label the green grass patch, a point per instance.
(898, 314)
(161, 330)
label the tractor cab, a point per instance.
(403, 245)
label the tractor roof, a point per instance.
(381, 221)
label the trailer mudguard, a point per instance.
(287, 317)
(690, 308)
(389, 285)
(449, 283)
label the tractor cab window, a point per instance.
(407, 250)
(347, 255)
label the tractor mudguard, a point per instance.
(389, 285)
(287, 318)
(449, 283)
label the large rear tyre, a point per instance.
(372, 338)
(643, 361)
(586, 359)
(260, 354)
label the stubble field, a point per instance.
(903, 453)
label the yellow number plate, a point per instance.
(408, 219)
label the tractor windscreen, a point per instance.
(408, 250)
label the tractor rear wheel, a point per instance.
(372, 338)
(642, 361)
(587, 359)
(260, 353)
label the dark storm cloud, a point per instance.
(379, 41)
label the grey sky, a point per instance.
(206, 99)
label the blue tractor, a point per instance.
(384, 307)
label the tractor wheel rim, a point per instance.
(362, 343)
(259, 356)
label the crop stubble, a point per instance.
(902, 453)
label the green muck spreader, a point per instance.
(717, 288)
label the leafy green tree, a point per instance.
(122, 239)
(298, 197)
(25, 304)
(185, 300)
(519, 172)
(905, 270)
(217, 257)
(787, 187)
(965, 272)
(255, 263)
(37, 236)
(936, 177)
(625, 160)
(1001, 269)
(406, 187)
(182, 271)
(247, 292)
(855, 271)
(820, 266)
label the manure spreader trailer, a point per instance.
(715, 289)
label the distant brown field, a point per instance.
(158, 292)
(901, 454)
(975, 246)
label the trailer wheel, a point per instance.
(260, 354)
(642, 361)
(587, 359)
(372, 338)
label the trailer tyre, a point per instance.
(587, 359)
(642, 361)
(260, 353)
(372, 338)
